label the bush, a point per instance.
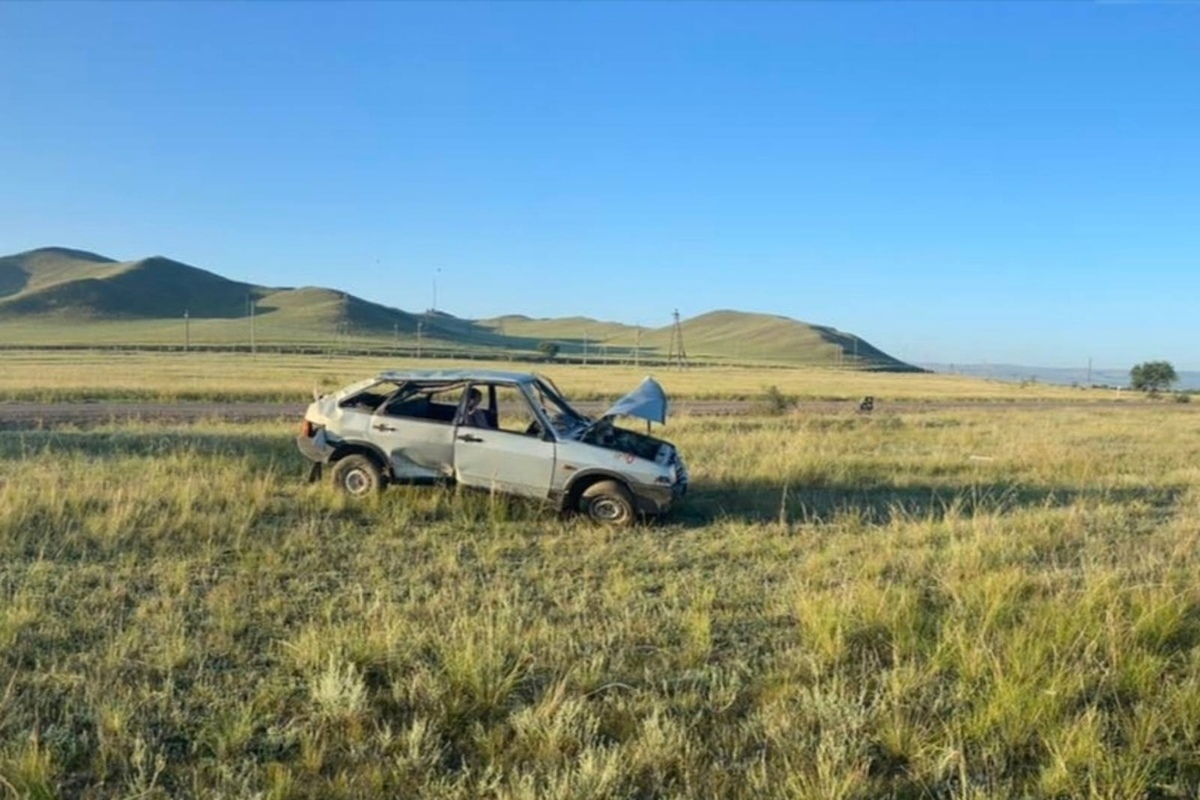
(776, 402)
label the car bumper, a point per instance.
(314, 448)
(657, 499)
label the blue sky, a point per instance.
(955, 182)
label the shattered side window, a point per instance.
(433, 403)
(370, 398)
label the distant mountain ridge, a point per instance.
(1062, 376)
(63, 296)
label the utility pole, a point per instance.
(187, 332)
(676, 354)
(344, 325)
(420, 325)
(1089, 379)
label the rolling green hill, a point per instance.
(28, 272)
(725, 335)
(75, 283)
(61, 297)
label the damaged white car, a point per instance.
(508, 432)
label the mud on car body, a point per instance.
(508, 432)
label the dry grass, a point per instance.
(952, 604)
(80, 375)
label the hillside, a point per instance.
(775, 338)
(27, 272)
(61, 297)
(726, 334)
(80, 284)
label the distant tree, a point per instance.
(548, 349)
(1152, 376)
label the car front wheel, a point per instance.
(357, 476)
(608, 503)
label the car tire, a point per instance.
(357, 476)
(608, 503)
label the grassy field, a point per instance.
(39, 376)
(960, 603)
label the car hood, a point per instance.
(648, 401)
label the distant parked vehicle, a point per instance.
(508, 432)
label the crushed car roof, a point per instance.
(454, 375)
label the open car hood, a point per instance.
(648, 401)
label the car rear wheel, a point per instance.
(608, 503)
(357, 475)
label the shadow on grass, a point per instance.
(753, 501)
(769, 501)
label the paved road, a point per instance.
(26, 416)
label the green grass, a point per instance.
(949, 604)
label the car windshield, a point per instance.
(564, 418)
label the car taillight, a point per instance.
(307, 429)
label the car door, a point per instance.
(417, 432)
(516, 456)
